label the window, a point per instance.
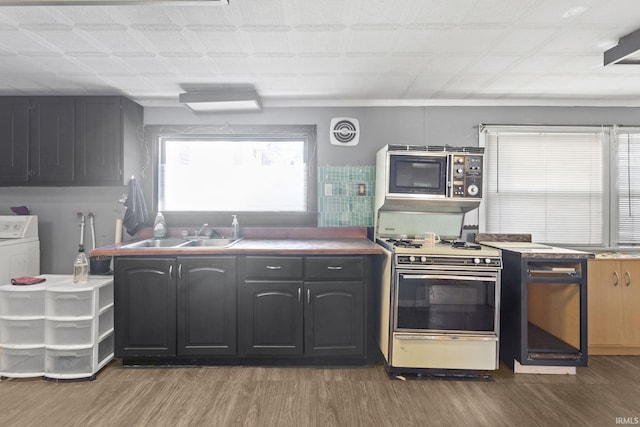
(264, 174)
(627, 187)
(546, 181)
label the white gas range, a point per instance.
(439, 304)
(414, 252)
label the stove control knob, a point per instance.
(412, 258)
(487, 260)
(476, 260)
(423, 259)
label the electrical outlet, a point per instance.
(328, 189)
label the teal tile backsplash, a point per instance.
(345, 196)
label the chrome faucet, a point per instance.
(200, 230)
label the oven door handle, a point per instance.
(447, 277)
(445, 337)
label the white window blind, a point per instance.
(628, 188)
(547, 183)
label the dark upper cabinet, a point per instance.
(108, 134)
(52, 140)
(206, 306)
(14, 140)
(67, 141)
(145, 307)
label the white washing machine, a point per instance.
(19, 247)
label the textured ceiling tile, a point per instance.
(270, 42)
(493, 64)
(383, 11)
(507, 11)
(319, 42)
(323, 49)
(440, 11)
(219, 42)
(522, 41)
(318, 13)
(580, 41)
(118, 41)
(260, 12)
(370, 41)
(426, 86)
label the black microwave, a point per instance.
(430, 173)
(418, 175)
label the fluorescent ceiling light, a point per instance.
(110, 2)
(626, 51)
(222, 100)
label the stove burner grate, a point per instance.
(404, 243)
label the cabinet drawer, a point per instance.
(258, 267)
(334, 268)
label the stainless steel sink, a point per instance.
(158, 243)
(221, 243)
(180, 243)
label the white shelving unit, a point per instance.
(57, 329)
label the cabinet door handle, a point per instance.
(308, 296)
(180, 271)
(334, 267)
(628, 276)
(274, 267)
(171, 272)
(615, 273)
(299, 294)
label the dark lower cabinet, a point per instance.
(271, 318)
(145, 307)
(183, 309)
(171, 307)
(334, 319)
(302, 306)
(206, 306)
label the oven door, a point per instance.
(446, 302)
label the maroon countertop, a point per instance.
(265, 241)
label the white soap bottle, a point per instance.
(236, 227)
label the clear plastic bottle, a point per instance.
(81, 267)
(159, 227)
(236, 227)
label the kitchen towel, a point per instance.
(136, 216)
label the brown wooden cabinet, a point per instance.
(614, 295)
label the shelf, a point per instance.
(64, 336)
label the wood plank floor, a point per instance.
(268, 396)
